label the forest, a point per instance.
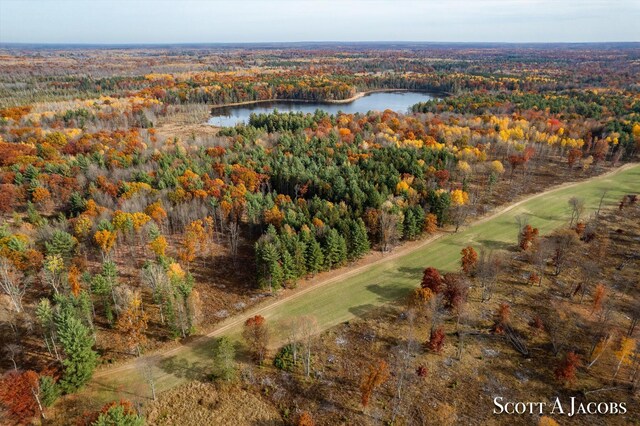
(128, 226)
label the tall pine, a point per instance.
(80, 359)
(358, 241)
(314, 255)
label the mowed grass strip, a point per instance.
(381, 283)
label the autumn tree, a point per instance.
(19, 393)
(430, 223)
(436, 340)
(565, 372)
(432, 280)
(624, 352)
(455, 292)
(527, 236)
(502, 318)
(469, 260)
(132, 326)
(599, 296)
(305, 419)
(256, 335)
(377, 374)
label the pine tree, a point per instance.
(413, 221)
(288, 268)
(61, 243)
(342, 250)
(80, 359)
(332, 249)
(270, 272)
(315, 256)
(299, 261)
(224, 363)
(358, 241)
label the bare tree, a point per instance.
(389, 229)
(604, 194)
(562, 243)
(577, 209)
(234, 238)
(12, 283)
(404, 355)
(13, 351)
(487, 272)
(146, 365)
(292, 331)
(308, 331)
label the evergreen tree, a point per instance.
(358, 240)
(80, 359)
(315, 257)
(414, 218)
(61, 243)
(270, 272)
(298, 255)
(49, 390)
(224, 355)
(119, 415)
(288, 268)
(332, 249)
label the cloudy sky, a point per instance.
(185, 21)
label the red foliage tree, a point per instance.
(502, 318)
(528, 236)
(256, 335)
(436, 340)
(455, 291)
(422, 371)
(573, 156)
(432, 280)
(442, 176)
(469, 260)
(9, 195)
(17, 394)
(566, 370)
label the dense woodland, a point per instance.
(115, 235)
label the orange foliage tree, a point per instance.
(527, 236)
(18, 391)
(469, 260)
(132, 325)
(378, 374)
(256, 334)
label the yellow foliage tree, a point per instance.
(627, 347)
(459, 197)
(105, 240)
(158, 246)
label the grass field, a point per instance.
(369, 287)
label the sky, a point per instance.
(230, 21)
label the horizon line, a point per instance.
(236, 43)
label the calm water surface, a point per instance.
(396, 101)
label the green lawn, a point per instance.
(381, 283)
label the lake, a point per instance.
(378, 101)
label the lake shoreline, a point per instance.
(355, 97)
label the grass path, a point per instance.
(356, 291)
